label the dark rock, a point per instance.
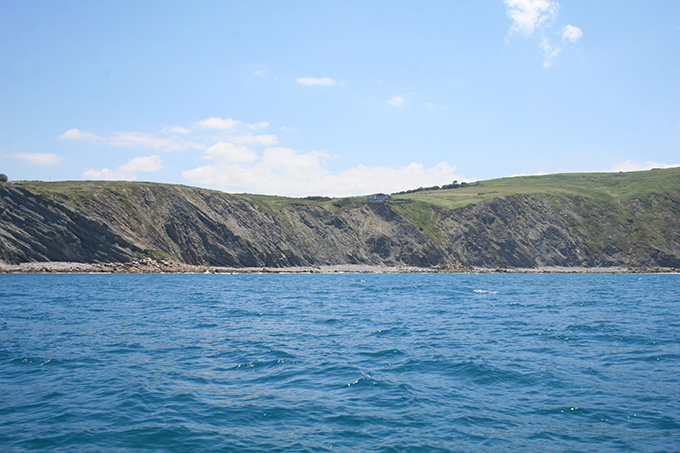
(180, 226)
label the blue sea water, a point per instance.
(348, 362)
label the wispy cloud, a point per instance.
(175, 138)
(631, 165)
(571, 33)
(76, 134)
(538, 173)
(179, 138)
(397, 101)
(254, 140)
(527, 15)
(256, 126)
(127, 171)
(318, 81)
(219, 123)
(229, 152)
(133, 140)
(144, 141)
(175, 130)
(44, 159)
(539, 17)
(144, 164)
(549, 51)
(107, 175)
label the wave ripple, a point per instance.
(383, 362)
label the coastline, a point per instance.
(148, 266)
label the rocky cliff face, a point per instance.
(536, 231)
(35, 229)
(123, 222)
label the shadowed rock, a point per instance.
(124, 222)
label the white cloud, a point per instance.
(231, 164)
(431, 106)
(175, 130)
(631, 165)
(229, 152)
(75, 134)
(397, 101)
(571, 33)
(143, 164)
(126, 171)
(219, 123)
(538, 173)
(287, 161)
(539, 17)
(549, 52)
(254, 140)
(319, 81)
(260, 125)
(285, 171)
(140, 140)
(45, 159)
(364, 179)
(527, 15)
(136, 140)
(178, 138)
(108, 175)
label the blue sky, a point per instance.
(336, 97)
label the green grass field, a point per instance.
(598, 187)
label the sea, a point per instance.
(340, 362)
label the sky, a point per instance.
(336, 98)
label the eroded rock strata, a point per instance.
(129, 222)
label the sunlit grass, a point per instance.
(601, 188)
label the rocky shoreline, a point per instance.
(149, 266)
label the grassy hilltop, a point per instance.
(603, 192)
(598, 187)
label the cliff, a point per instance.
(629, 220)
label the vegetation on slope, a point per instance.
(606, 193)
(597, 187)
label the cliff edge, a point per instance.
(626, 220)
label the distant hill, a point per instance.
(629, 220)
